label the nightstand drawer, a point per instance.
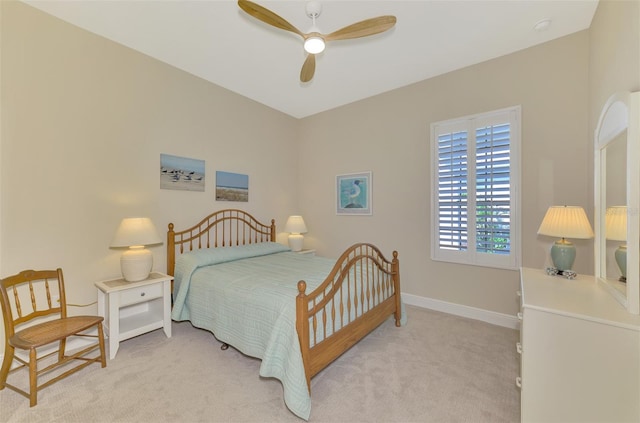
(140, 294)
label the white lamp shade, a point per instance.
(616, 223)
(135, 233)
(566, 222)
(295, 225)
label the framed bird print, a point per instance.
(353, 193)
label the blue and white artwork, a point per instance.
(353, 193)
(181, 173)
(232, 186)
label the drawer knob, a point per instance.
(142, 294)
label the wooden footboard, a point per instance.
(360, 293)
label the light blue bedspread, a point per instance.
(248, 300)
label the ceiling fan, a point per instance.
(314, 41)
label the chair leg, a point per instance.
(9, 351)
(103, 357)
(33, 378)
(61, 350)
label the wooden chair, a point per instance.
(41, 321)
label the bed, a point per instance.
(295, 312)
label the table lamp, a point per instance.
(135, 233)
(296, 227)
(565, 222)
(615, 224)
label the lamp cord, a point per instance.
(81, 305)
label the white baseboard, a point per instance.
(499, 319)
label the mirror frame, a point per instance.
(620, 112)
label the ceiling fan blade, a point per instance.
(267, 16)
(363, 28)
(308, 68)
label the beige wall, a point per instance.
(84, 121)
(561, 86)
(389, 135)
(614, 53)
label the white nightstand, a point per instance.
(133, 308)
(307, 252)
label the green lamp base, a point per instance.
(621, 259)
(563, 254)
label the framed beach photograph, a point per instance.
(181, 173)
(353, 193)
(232, 187)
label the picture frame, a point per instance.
(353, 194)
(181, 173)
(232, 186)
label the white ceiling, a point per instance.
(217, 41)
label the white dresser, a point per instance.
(580, 352)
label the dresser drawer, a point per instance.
(138, 295)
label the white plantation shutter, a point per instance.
(452, 190)
(493, 189)
(474, 180)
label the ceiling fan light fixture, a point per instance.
(314, 45)
(314, 40)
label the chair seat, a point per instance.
(54, 330)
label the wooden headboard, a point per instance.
(224, 228)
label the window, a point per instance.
(475, 185)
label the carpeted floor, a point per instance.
(437, 368)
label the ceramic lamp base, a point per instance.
(563, 254)
(621, 259)
(136, 264)
(295, 242)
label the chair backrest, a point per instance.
(32, 294)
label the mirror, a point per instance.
(617, 188)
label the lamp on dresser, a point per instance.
(135, 233)
(296, 227)
(616, 230)
(565, 222)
